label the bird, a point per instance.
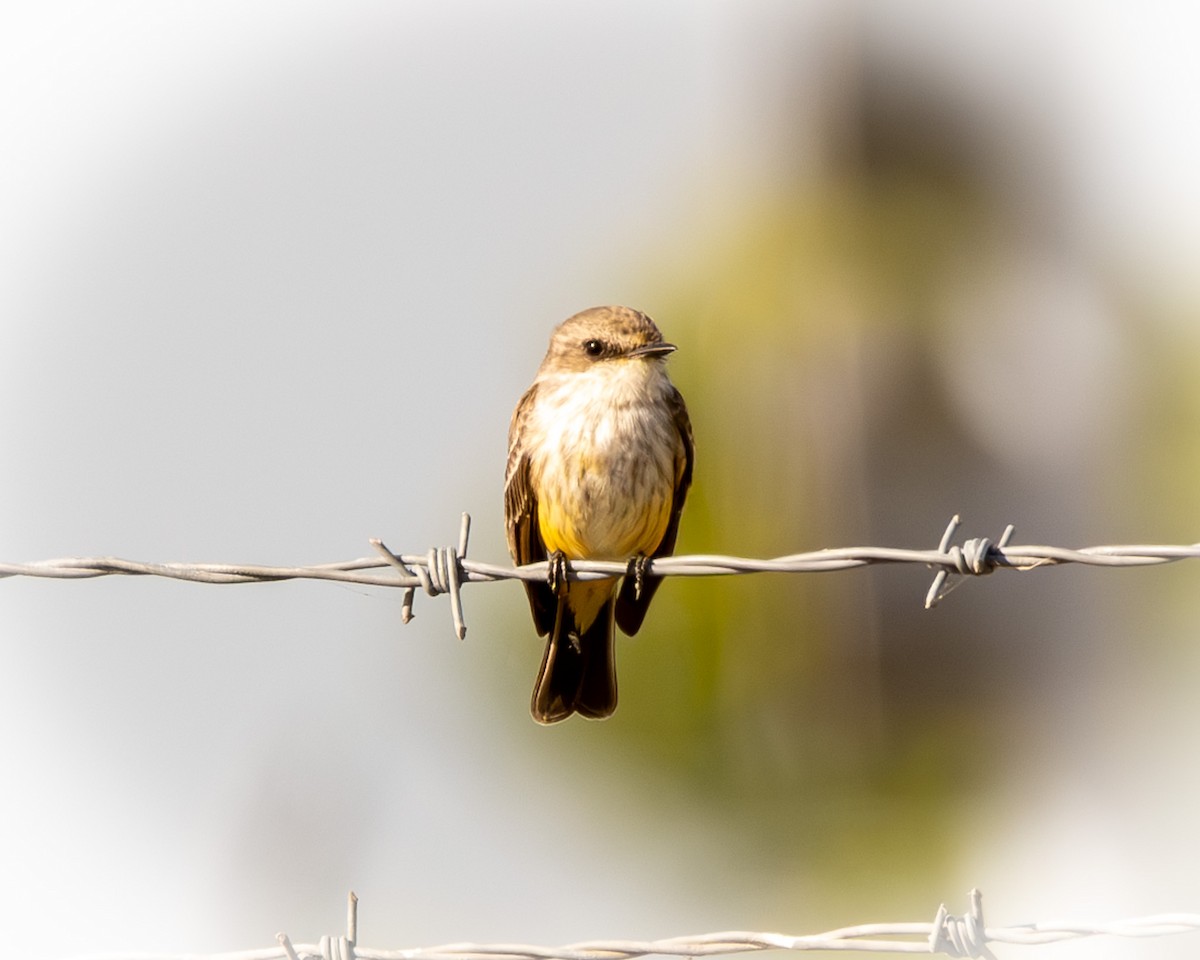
(600, 455)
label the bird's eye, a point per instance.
(593, 348)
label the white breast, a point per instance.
(604, 447)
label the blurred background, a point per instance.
(272, 278)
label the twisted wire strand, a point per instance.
(446, 569)
(947, 935)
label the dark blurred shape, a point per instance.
(834, 718)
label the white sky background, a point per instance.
(271, 279)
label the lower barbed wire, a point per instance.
(946, 935)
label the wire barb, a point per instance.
(975, 557)
(288, 950)
(961, 936)
(440, 573)
(406, 608)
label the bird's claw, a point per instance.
(556, 573)
(637, 567)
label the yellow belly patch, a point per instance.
(608, 532)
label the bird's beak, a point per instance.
(659, 349)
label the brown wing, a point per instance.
(631, 607)
(521, 518)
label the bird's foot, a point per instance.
(637, 568)
(556, 574)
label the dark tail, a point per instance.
(578, 672)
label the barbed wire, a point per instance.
(446, 569)
(967, 936)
